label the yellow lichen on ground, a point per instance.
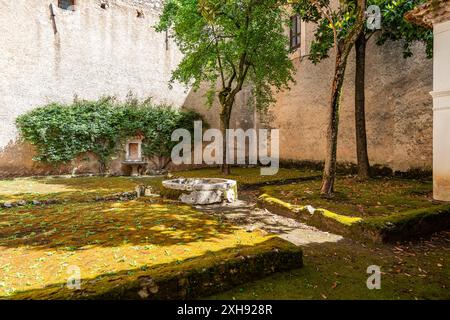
(37, 246)
(272, 200)
(375, 197)
(347, 220)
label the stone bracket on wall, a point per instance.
(441, 99)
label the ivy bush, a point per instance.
(62, 132)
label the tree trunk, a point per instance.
(329, 171)
(343, 48)
(225, 115)
(360, 117)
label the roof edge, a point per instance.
(429, 13)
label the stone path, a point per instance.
(248, 216)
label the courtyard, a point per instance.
(117, 239)
(225, 150)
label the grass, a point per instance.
(249, 176)
(77, 189)
(377, 197)
(80, 189)
(210, 273)
(417, 270)
(38, 245)
(116, 242)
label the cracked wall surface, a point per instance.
(95, 52)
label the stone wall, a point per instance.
(111, 51)
(398, 108)
(95, 52)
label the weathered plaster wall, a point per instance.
(105, 52)
(398, 108)
(96, 52)
(242, 116)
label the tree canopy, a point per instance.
(234, 42)
(394, 27)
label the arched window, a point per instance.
(66, 4)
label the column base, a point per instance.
(441, 188)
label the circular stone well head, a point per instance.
(204, 190)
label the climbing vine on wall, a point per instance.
(62, 132)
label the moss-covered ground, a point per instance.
(122, 238)
(38, 244)
(250, 176)
(71, 189)
(76, 189)
(376, 197)
(417, 270)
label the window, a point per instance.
(295, 32)
(66, 4)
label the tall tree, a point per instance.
(338, 28)
(233, 43)
(362, 155)
(393, 28)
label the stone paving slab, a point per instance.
(248, 216)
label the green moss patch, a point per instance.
(38, 244)
(379, 226)
(210, 273)
(251, 177)
(418, 270)
(321, 218)
(408, 224)
(78, 189)
(376, 197)
(345, 220)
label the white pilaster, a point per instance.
(441, 111)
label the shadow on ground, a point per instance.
(212, 272)
(108, 224)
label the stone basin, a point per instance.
(204, 190)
